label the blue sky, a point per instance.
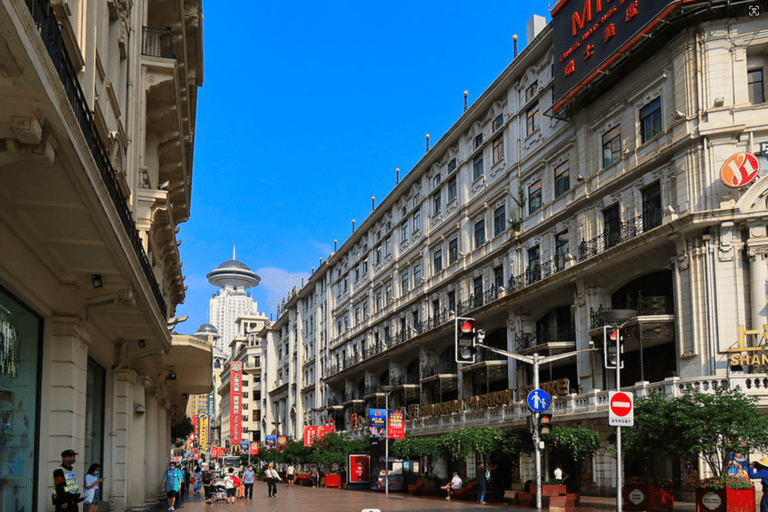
(306, 110)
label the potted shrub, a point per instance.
(725, 494)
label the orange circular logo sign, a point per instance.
(739, 170)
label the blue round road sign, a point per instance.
(539, 400)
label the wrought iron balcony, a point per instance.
(643, 304)
(157, 42)
(50, 34)
(620, 233)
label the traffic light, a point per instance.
(545, 423)
(613, 342)
(466, 337)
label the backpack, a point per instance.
(236, 481)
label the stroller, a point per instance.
(218, 494)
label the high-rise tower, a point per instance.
(233, 300)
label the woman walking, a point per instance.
(92, 481)
(272, 479)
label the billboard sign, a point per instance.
(590, 35)
(310, 434)
(396, 421)
(359, 468)
(236, 402)
(739, 170)
(204, 430)
(377, 422)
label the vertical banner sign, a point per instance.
(203, 426)
(282, 440)
(196, 425)
(236, 402)
(377, 422)
(211, 403)
(310, 434)
(245, 446)
(359, 468)
(254, 447)
(270, 442)
(396, 424)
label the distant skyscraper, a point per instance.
(234, 278)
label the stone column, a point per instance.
(122, 411)
(152, 475)
(757, 249)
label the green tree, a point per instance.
(578, 442)
(711, 425)
(181, 430)
(417, 447)
(485, 441)
(331, 451)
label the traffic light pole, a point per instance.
(534, 360)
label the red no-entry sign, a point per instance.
(621, 410)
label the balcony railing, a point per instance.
(157, 42)
(50, 33)
(643, 304)
(621, 233)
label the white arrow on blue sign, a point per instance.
(539, 400)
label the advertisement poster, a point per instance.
(323, 431)
(377, 422)
(359, 468)
(245, 446)
(738, 464)
(204, 432)
(254, 447)
(236, 402)
(396, 424)
(270, 442)
(310, 434)
(282, 440)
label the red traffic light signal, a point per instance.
(468, 326)
(466, 337)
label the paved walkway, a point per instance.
(307, 499)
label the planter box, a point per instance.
(648, 497)
(332, 480)
(661, 498)
(549, 489)
(725, 500)
(525, 499)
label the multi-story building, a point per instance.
(97, 122)
(233, 300)
(594, 173)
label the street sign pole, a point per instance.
(619, 497)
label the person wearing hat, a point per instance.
(272, 478)
(759, 470)
(66, 490)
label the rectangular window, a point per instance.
(388, 294)
(478, 141)
(477, 289)
(365, 266)
(498, 277)
(498, 150)
(755, 86)
(479, 233)
(652, 213)
(562, 179)
(436, 308)
(416, 220)
(378, 254)
(405, 283)
(404, 231)
(378, 301)
(531, 91)
(611, 146)
(451, 166)
(611, 226)
(453, 251)
(388, 246)
(498, 122)
(437, 258)
(417, 274)
(436, 201)
(499, 220)
(561, 250)
(534, 265)
(452, 190)
(650, 120)
(452, 301)
(532, 120)
(477, 167)
(436, 180)
(534, 197)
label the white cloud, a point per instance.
(278, 284)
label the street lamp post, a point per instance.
(387, 390)
(536, 361)
(617, 319)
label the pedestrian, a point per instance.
(207, 485)
(229, 485)
(759, 470)
(66, 490)
(248, 477)
(197, 479)
(455, 483)
(272, 479)
(290, 474)
(91, 484)
(314, 475)
(558, 474)
(172, 484)
(485, 479)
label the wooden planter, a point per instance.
(725, 500)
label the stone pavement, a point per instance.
(307, 499)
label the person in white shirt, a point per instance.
(272, 478)
(290, 473)
(455, 483)
(558, 474)
(229, 485)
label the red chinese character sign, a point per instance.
(310, 434)
(204, 430)
(739, 170)
(591, 35)
(396, 421)
(236, 402)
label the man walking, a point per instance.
(66, 490)
(484, 475)
(248, 476)
(172, 484)
(272, 479)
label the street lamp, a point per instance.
(387, 390)
(617, 319)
